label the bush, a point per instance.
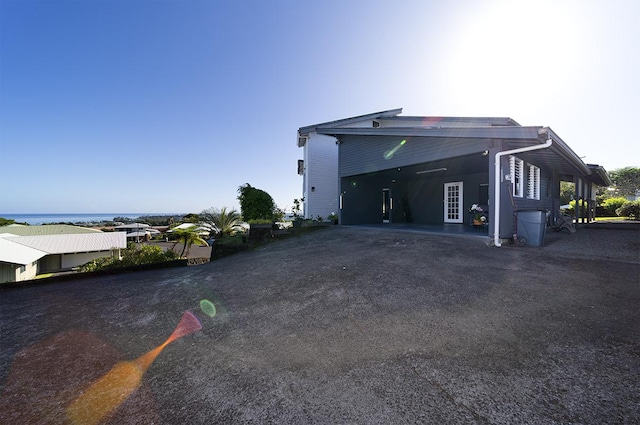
(629, 209)
(611, 205)
(572, 208)
(133, 255)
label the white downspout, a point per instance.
(497, 180)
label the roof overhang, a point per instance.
(302, 131)
(599, 175)
(15, 253)
(530, 133)
(559, 157)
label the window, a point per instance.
(516, 167)
(533, 183)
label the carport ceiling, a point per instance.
(552, 158)
(469, 164)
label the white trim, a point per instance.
(516, 171)
(533, 183)
(453, 213)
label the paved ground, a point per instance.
(345, 325)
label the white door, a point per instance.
(453, 202)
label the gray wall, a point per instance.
(367, 154)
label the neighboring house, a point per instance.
(26, 251)
(135, 231)
(18, 262)
(203, 229)
(386, 168)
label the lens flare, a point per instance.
(208, 308)
(103, 397)
(389, 154)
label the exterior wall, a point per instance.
(549, 198)
(320, 189)
(70, 261)
(418, 201)
(17, 272)
(51, 263)
(426, 197)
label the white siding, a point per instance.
(70, 261)
(321, 176)
(17, 272)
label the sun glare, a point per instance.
(529, 48)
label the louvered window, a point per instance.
(533, 183)
(516, 167)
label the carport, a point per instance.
(432, 175)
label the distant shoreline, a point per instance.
(80, 218)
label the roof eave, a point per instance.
(560, 147)
(346, 121)
(506, 132)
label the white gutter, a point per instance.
(497, 180)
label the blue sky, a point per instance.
(169, 106)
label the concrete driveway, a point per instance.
(344, 325)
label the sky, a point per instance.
(156, 106)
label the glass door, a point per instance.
(386, 205)
(453, 202)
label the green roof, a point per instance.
(47, 229)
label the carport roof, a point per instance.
(559, 157)
(14, 253)
(67, 244)
(46, 229)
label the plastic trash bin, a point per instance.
(531, 227)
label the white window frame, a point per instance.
(516, 169)
(533, 183)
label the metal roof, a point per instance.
(132, 226)
(14, 253)
(559, 157)
(47, 229)
(345, 121)
(68, 244)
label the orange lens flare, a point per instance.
(109, 391)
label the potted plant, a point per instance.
(333, 218)
(477, 214)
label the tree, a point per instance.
(6, 221)
(626, 181)
(188, 237)
(191, 218)
(255, 204)
(567, 190)
(224, 221)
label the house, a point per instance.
(387, 168)
(202, 229)
(135, 231)
(26, 251)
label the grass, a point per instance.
(612, 218)
(43, 276)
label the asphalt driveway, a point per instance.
(344, 325)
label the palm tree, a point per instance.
(188, 236)
(224, 221)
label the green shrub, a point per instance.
(630, 209)
(256, 203)
(610, 205)
(260, 221)
(133, 255)
(572, 207)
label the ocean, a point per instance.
(76, 218)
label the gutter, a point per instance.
(497, 180)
